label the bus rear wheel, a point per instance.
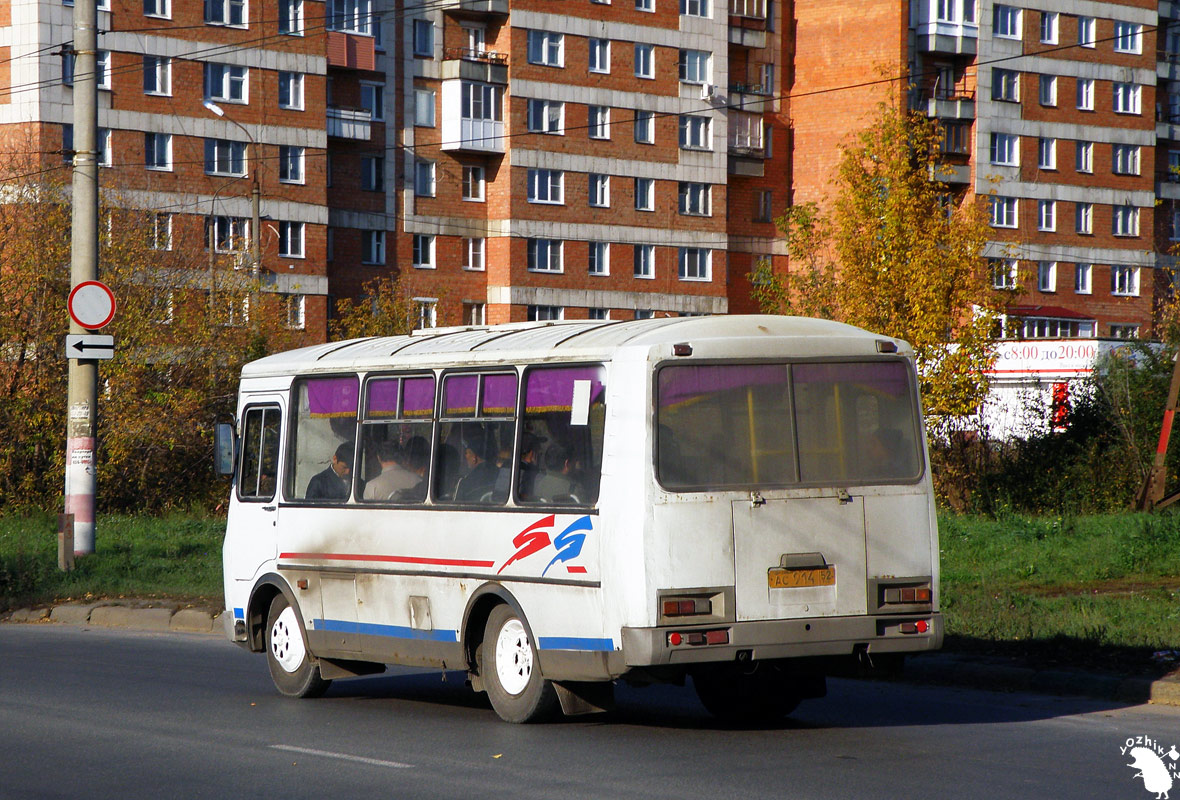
(292, 668)
(510, 671)
(761, 692)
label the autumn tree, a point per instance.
(386, 307)
(895, 252)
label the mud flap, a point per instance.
(585, 697)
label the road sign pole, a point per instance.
(82, 402)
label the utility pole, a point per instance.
(82, 412)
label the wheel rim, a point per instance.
(514, 657)
(286, 643)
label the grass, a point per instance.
(1100, 590)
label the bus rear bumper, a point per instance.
(792, 638)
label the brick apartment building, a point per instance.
(522, 159)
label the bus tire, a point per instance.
(746, 694)
(511, 672)
(294, 672)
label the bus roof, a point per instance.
(796, 336)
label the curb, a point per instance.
(130, 616)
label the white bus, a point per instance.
(552, 507)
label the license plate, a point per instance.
(796, 578)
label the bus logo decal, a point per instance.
(535, 538)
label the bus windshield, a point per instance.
(767, 425)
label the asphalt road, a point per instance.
(101, 714)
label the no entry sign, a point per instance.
(92, 305)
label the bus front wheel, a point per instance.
(292, 668)
(761, 692)
(511, 674)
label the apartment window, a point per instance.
(956, 138)
(764, 206)
(229, 234)
(598, 313)
(225, 157)
(1173, 174)
(546, 116)
(225, 12)
(645, 127)
(544, 255)
(474, 313)
(102, 67)
(598, 258)
(1006, 22)
(1003, 212)
(1046, 215)
(226, 82)
(157, 75)
(373, 100)
(1125, 159)
(291, 17)
(1084, 217)
(161, 307)
(1085, 157)
(295, 307)
(1047, 276)
(473, 183)
(424, 108)
(373, 174)
(644, 313)
(1126, 98)
(1082, 278)
(1128, 37)
(1124, 280)
(372, 247)
(599, 190)
(1047, 153)
(290, 164)
(157, 151)
(1049, 23)
(696, 132)
(291, 90)
(645, 61)
(695, 263)
(67, 143)
(1005, 85)
(1086, 32)
(695, 66)
(694, 8)
(645, 261)
(161, 233)
(599, 122)
(423, 38)
(1048, 90)
(600, 55)
(354, 16)
(645, 5)
(1121, 331)
(1085, 94)
(473, 252)
(545, 313)
(1174, 232)
(1004, 273)
(546, 48)
(645, 194)
(1125, 221)
(694, 199)
(157, 8)
(423, 251)
(291, 239)
(425, 313)
(423, 178)
(1005, 149)
(105, 156)
(546, 186)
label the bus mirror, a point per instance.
(223, 448)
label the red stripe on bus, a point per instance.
(444, 562)
(576, 570)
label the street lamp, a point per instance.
(255, 193)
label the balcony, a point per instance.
(474, 8)
(950, 173)
(1167, 185)
(472, 117)
(1167, 123)
(349, 123)
(484, 66)
(351, 51)
(950, 103)
(951, 28)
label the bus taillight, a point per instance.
(687, 607)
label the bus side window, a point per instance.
(561, 453)
(323, 448)
(260, 454)
(476, 434)
(395, 441)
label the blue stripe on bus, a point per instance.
(391, 631)
(574, 643)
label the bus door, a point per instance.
(254, 532)
(799, 557)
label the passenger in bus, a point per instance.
(417, 462)
(481, 473)
(530, 444)
(394, 475)
(554, 483)
(334, 482)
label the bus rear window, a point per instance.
(758, 425)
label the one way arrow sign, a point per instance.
(90, 346)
